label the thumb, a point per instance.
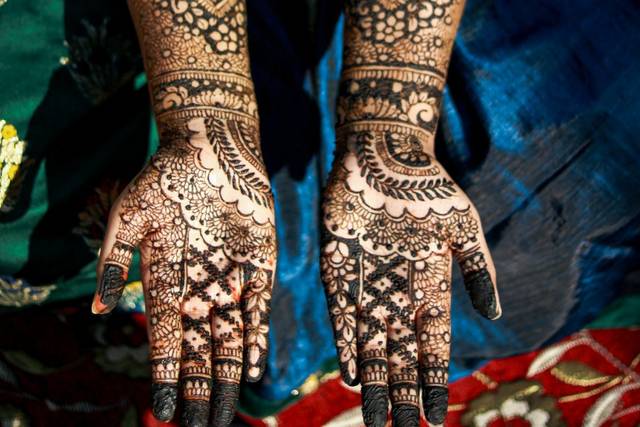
(124, 232)
(478, 270)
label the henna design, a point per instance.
(235, 144)
(202, 210)
(404, 188)
(435, 404)
(209, 261)
(195, 413)
(223, 405)
(114, 275)
(393, 219)
(192, 35)
(477, 281)
(406, 415)
(111, 285)
(374, 405)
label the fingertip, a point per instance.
(375, 405)
(109, 290)
(347, 377)
(164, 399)
(195, 413)
(224, 403)
(435, 400)
(482, 291)
(97, 307)
(497, 315)
(255, 358)
(405, 415)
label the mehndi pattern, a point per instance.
(201, 212)
(393, 218)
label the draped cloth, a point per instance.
(539, 126)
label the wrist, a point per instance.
(390, 100)
(189, 94)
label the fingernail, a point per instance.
(164, 398)
(375, 405)
(225, 396)
(435, 401)
(96, 306)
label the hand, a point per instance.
(393, 220)
(202, 214)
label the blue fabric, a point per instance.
(539, 125)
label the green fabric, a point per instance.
(622, 313)
(72, 85)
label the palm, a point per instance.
(393, 221)
(208, 249)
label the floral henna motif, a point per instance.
(210, 273)
(201, 211)
(401, 32)
(192, 35)
(387, 281)
(393, 219)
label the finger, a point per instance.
(372, 343)
(163, 274)
(164, 396)
(434, 340)
(195, 364)
(227, 328)
(402, 351)
(339, 274)
(472, 253)
(125, 230)
(256, 306)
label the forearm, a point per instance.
(396, 54)
(197, 64)
(196, 59)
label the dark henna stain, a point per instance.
(375, 405)
(225, 397)
(111, 285)
(480, 289)
(405, 416)
(435, 401)
(164, 399)
(195, 413)
(479, 285)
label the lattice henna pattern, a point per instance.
(202, 210)
(393, 219)
(207, 260)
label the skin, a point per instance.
(393, 219)
(201, 213)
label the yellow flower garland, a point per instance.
(11, 151)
